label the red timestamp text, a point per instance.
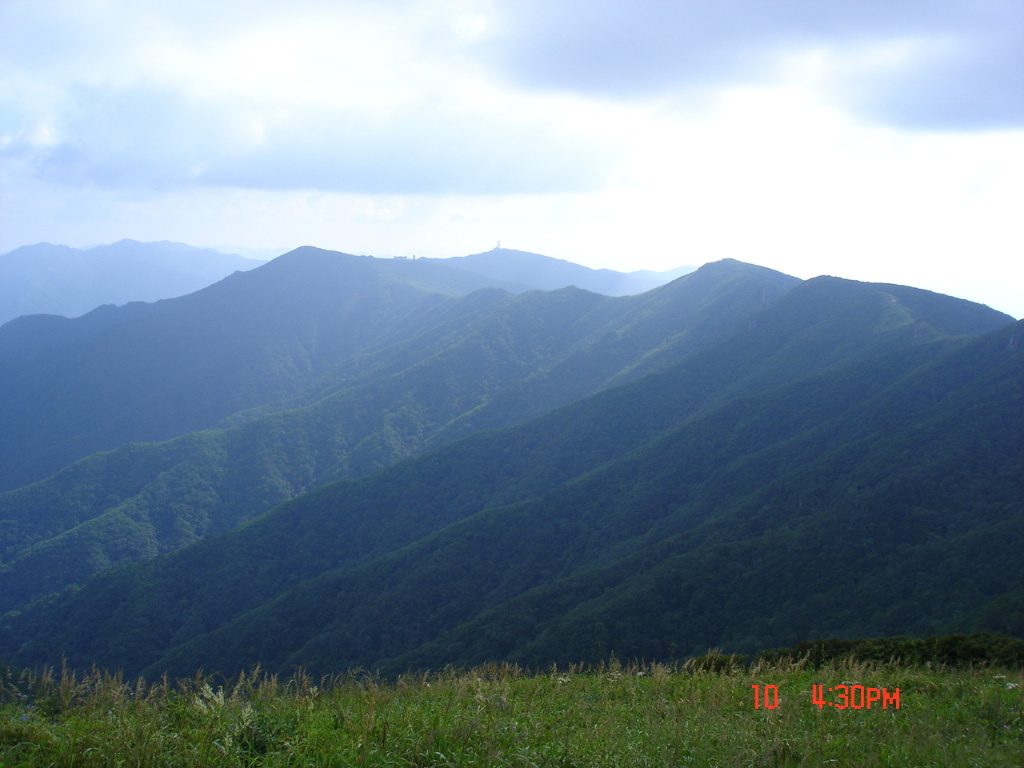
(844, 696)
(854, 696)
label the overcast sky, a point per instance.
(876, 140)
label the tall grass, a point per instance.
(616, 715)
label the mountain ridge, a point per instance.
(725, 445)
(151, 371)
(366, 423)
(60, 280)
(534, 270)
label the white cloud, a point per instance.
(870, 139)
(337, 101)
(946, 64)
(146, 138)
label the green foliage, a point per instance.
(980, 648)
(804, 474)
(482, 361)
(498, 715)
(718, 663)
(152, 372)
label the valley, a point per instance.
(333, 461)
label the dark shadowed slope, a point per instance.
(801, 468)
(463, 367)
(153, 371)
(794, 514)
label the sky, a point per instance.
(878, 140)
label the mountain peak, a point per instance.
(529, 270)
(61, 280)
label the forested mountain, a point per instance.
(838, 458)
(145, 372)
(484, 360)
(533, 270)
(59, 280)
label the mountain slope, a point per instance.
(153, 371)
(456, 374)
(520, 543)
(856, 527)
(663, 554)
(58, 280)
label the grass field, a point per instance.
(618, 715)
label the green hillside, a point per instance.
(483, 360)
(804, 474)
(149, 372)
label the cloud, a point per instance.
(348, 97)
(859, 137)
(419, 153)
(954, 82)
(149, 137)
(458, 96)
(924, 64)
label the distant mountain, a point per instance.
(59, 280)
(840, 458)
(146, 372)
(484, 360)
(532, 270)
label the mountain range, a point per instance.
(47, 279)
(525, 270)
(336, 461)
(375, 365)
(60, 280)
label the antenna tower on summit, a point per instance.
(498, 246)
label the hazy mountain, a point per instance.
(532, 270)
(846, 459)
(145, 372)
(59, 280)
(484, 360)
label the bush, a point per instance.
(981, 648)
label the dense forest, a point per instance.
(334, 461)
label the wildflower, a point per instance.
(1011, 686)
